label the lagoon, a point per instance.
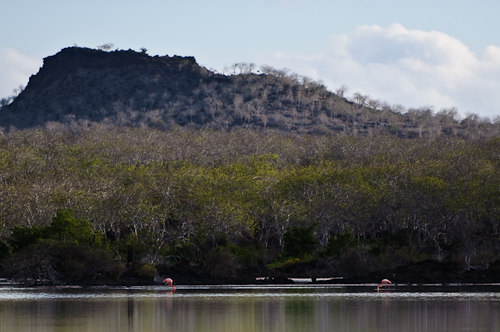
(233, 308)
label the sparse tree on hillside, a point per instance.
(280, 73)
(471, 120)
(244, 67)
(342, 91)
(5, 101)
(448, 116)
(360, 99)
(374, 103)
(105, 47)
(18, 90)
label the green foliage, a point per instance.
(357, 261)
(195, 248)
(58, 263)
(22, 237)
(300, 242)
(78, 262)
(4, 250)
(66, 250)
(147, 271)
(283, 262)
(300, 247)
(187, 196)
(247, 256)
(66, 228)
(393, 129)
(221, 263)
(338, 242)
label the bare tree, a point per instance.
(496, 120)
(18, 90)
(5, 101)
(374, 103)
(472, 120)
(398, 108)
(244, 67)
(342, 90)
(280, 73)
(105, 47)
(448, 116)
(360, 99)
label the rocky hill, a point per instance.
(80, 86)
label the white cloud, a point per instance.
(409, 67)
(15, 70)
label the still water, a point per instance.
(251, 308)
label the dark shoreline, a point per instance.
(427, 272)
(423, 273)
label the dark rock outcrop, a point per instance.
(79, 84)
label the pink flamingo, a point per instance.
(169, 282)
(385, 282)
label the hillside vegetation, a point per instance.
(78, 87)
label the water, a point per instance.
(251, 308)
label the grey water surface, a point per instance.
(267, 308)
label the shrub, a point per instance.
(338, 242)
(357, 261)
(147, 271)
(221, 263)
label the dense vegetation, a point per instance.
(105, 200)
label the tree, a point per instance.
(105, 47)
(66, 228)
(360, 99)
(300, 242)
(5, 101)
(342, 90)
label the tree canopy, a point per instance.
(246, 198)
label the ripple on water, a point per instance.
(359, 292)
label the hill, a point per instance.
(78, 87)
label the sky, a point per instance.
(426, 53)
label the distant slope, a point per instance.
(81, 86)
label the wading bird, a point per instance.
(169, 282)
(385, 282)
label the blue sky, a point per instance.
(439, 53)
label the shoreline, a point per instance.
(422, 273)
(13, 284)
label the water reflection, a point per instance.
(255, 308)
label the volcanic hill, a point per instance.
(81, 86)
